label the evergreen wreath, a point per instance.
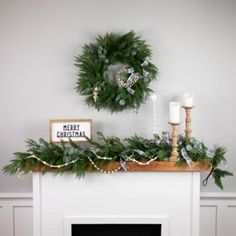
(44, 156)
(115, 72)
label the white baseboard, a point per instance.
(217, 214)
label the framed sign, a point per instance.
(76, 130)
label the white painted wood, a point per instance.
(1, 221)
(37, 204)
(230, 224)
(121, 178)
(113, 206)
(132, 219)
(175, 195)
(52, 232)
(17, 196)
(220, 195)
(11, 224)
(83, 192)
(203, 195)
(56, 221)
(210, 214)
(224, 215)
(208, 220)
(7, 220)
(180, 233)
(195, 203)
(23, 220)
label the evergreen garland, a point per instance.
(78, 159)
(129, 87)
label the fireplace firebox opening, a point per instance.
(116, 229)
(116, 225)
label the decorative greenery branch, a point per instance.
(44, 156)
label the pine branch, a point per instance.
(139, 148)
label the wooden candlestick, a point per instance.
(174, 152)
(188, 130)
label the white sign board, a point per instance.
(76, 130)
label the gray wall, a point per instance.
(193, 44)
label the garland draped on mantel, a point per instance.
(79, 158)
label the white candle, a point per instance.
(154, 97)
(174, 112)
(188, 100)
(154, 100)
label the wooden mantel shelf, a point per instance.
(162, 166)
(165, 166)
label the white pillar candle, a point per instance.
(188, 100)
(174, 112)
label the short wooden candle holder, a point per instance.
(174, 152)
(188, 130)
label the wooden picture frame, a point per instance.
(65, 129)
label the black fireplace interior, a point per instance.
(116, 229)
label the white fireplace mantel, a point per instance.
(173, 196)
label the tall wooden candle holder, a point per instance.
(188, 130)
(174, 152)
